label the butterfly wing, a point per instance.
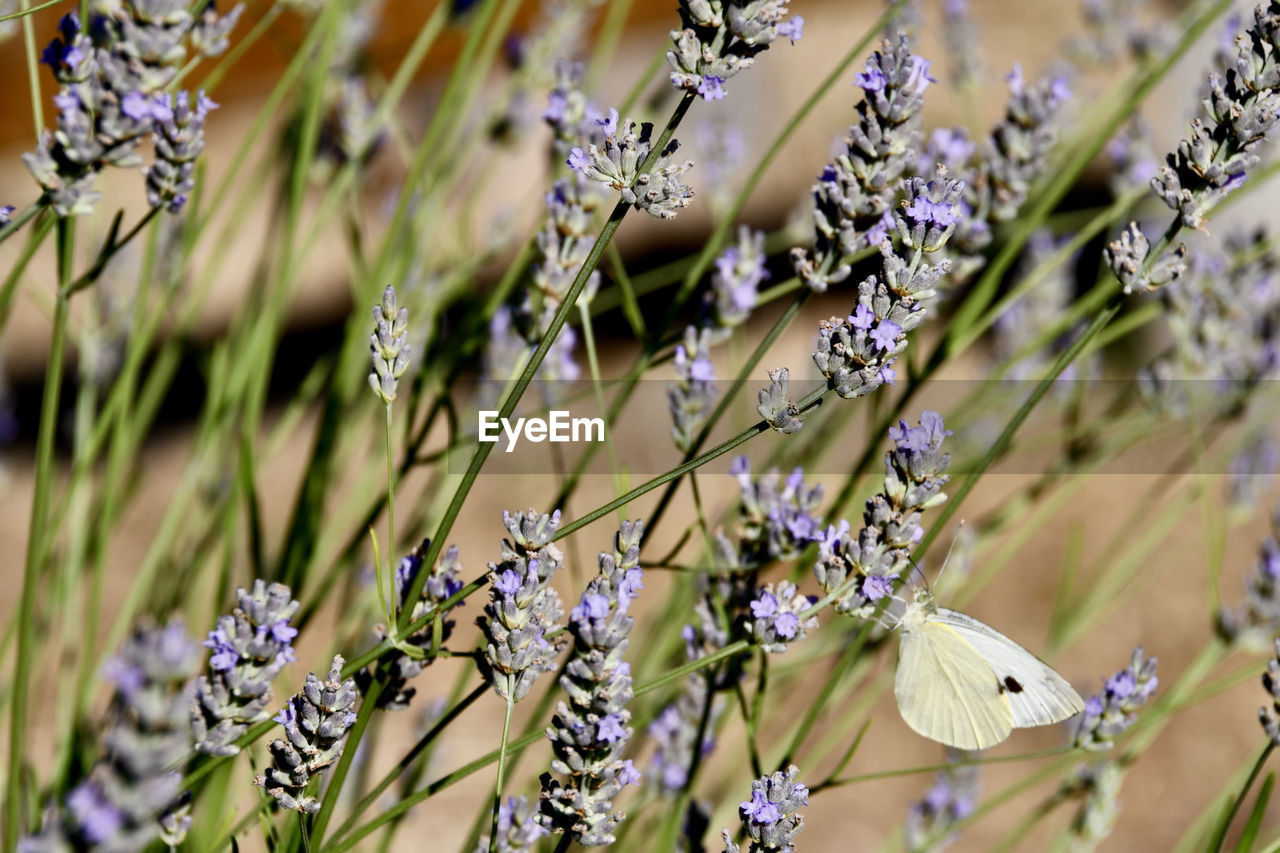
(1037, 694)
(947, 692)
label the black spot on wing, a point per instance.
(1011, 684)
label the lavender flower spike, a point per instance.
(952, 798)
(1271, 681)
(915, 473)
(123, 803)
(1242, 108)
(856, 352)
(522, 607)
(771, 817)
(1111, 711)
(389, 346)
(179, 140)
(720, 38)
(854, 194)
(589, 733)
(316, 722)
(442, 584)
(690, 396)
(1258, 617)
(616, 164)
(250, 647)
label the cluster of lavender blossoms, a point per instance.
(1106, 715)
(574, 120)
(348, 131)
(114, 75)
(589, 733)
(616, 163)
(1271, 681)
(777, 519)
(388, 346)
(771, 818)
(735, 285)
(316, 722)
(518, 828)
(864, 570)
(441, 585)
(250, 647)
(132, 797)
(719, 38)
(690, 396)
(1242, 107)
(1014, 155)
(952, 798)
(523, 608)
(1224, 318)
(564, 243)
(856, 352)
(854, 194)
(1257, 619)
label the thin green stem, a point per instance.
(36, 542)
(502, 766)
(1224, 826)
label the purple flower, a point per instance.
(792, 29)
(876, 587)
(920, 78)
(282, 632)
(628, 774)
(888, 374)
(509, 583)
(225, 655)
(126, 677)
(862, 317)
(98, 819)
(592, 606)
(1060, 89)
(1015, 80)
(827, 541)
(556, 104)
(786, 625)
(879, 232)
(701, 369)
(1235, 181)
(578, 160)
(924, 209)
(871, 79)
(759, 810)
(711, 88)
(610, 123)
(610, 729)
(632, 583)
(764, 606)
(741, 466)
(6, 211)
(885, 334)
(1121, 685)
(288, 714)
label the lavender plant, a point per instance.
(128, 799)
(249, 648)
(515, 259)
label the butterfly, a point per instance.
(964, 684)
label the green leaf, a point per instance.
(1252, 828)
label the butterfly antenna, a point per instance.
(951, 548)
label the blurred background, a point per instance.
(1167, 614)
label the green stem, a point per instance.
(26, 651)
(1220, 834)
(502, 766)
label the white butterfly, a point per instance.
(964, 684)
